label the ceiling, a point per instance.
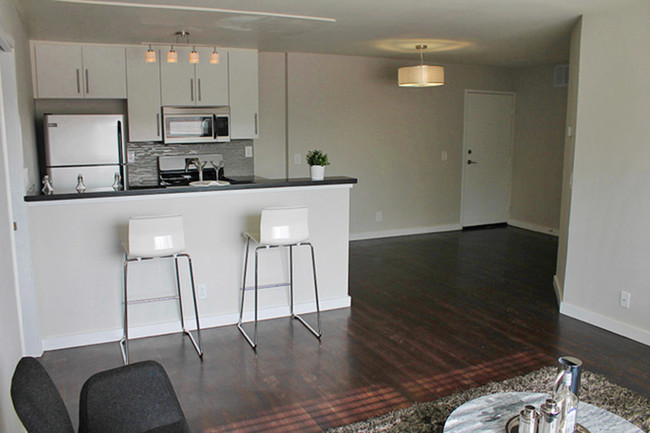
(488, 32)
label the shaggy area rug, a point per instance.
(430, 417)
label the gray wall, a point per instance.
(14, 124)
(538, 149)
(608, 238)
(390, 138)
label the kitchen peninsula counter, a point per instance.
(77, 257)
(241, 183)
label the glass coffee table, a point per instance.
(490, 413)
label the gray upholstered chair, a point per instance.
(137, 398)
(37, 401)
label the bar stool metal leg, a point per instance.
(240, 326)
(197, 346)
(124, 342)
(318, 333)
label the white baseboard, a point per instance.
(405, 232)
(607, 323)
(534, 227)
(113, 335)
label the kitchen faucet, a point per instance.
(217, 167)
(197, 163)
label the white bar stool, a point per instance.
(151, 238)
(279, 227)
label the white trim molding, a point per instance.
(559, 290)
(534, 227)
(114, 335)
(405, 232)
(607, 323)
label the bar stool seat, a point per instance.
(158, 237)
(279, 227)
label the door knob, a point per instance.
(470, 162)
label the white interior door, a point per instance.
(487, 147)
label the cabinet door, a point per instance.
(58, 71)
(104, 72)
(143, 95)
(211, 79)
(243, 93)
(178, 86)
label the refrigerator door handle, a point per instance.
(121, 151)
(78, 82)
(87, 83)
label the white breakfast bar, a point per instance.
(77, 256)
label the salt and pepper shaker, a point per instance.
(528, 419)
(81, 187)
(47, 189)
(549, 421)
(117, 182)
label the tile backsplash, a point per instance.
(143, 171)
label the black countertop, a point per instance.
(248, 183)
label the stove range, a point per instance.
(176, 170)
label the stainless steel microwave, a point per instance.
(196, 124)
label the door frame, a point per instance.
(464, 150)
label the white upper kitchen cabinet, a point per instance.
(143, 95)
(201, 84)
(244, 101)
(212, 79)
(79, 71)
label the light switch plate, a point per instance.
(297, 158)
(443, 155)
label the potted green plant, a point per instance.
(317, 161)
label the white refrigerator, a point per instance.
(89, 145)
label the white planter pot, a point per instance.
(317, 172)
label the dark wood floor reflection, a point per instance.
(431, 314)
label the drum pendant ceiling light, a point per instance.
(421, 75)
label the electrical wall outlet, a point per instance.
(297, 158)
(203, 291)
(443, 155)
(625, 299)
(379, 216)
(248, 151)
(130, 157)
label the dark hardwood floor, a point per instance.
(431, 315)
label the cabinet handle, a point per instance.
(255, 123)
(192, 89)
(78, 82)
(87, 83)
(199, 86)
(157, 124)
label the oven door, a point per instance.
(190, 128)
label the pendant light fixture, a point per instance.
(194, 56)
(214, 57)
(172, 56)
(150, 55)
(421, 75)
(182, 39)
